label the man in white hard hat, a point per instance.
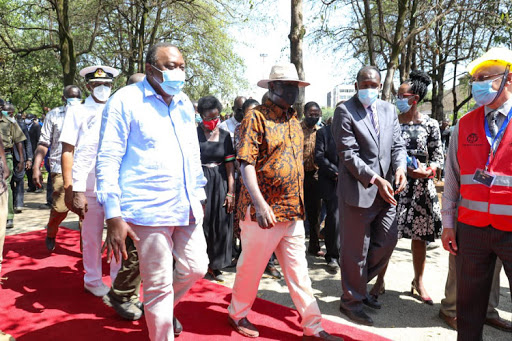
(80, 137)
(478, 190)
(271, 206)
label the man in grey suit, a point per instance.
(371, 151)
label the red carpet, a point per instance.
(43, 299)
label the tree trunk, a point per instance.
(369, 31)
(297, 32)
(67, 49)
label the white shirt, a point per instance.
(81, 129)
(149, 168)
(230, 125)
(50, 135)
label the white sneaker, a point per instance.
(99, 291)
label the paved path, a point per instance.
(402, 316)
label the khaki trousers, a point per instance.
(4, 197)
(287, 239)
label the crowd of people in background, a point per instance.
(245, 188)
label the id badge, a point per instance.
(484, 177)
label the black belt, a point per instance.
(8, 150)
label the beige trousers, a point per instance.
(163, 287)
(288, 241)
(3, 223)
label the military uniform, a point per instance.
(11, 134)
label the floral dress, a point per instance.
(419, 211)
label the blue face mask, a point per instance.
(6, 113)
(173, 80)
(367, 96)
(73, 101)
(198, 118)
(483, 93)
(403, 105)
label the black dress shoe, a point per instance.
(372, 302)
(273, 272)
(10, 224)
(50, 243)
(357, 316)
(178, 328)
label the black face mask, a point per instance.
(311, 121)
(239, 115)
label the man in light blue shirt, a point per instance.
(150, 183)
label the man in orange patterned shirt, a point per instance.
(271, 206)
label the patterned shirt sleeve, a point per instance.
(251, 129)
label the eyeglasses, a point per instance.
(486, 78)
(210, 118)
(405, 95)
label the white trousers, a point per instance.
(163, 287)
(92, 238)
(287, 239)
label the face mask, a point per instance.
(311, 121)
(102, 93)
(239, 116)
(173, 80)
(403, 105)
(210, 125)
(27, 121)
(73, 101)
(198, 118)
(483, 93)
(319, 123)
(6, 113)
(367, 96)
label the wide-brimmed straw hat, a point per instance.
(282, 73)
(495, 56)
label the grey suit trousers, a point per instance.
(368, 237)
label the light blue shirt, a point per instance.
(148, 169)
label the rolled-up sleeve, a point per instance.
(112, 147)
(251, 134)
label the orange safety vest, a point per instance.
(480, 205)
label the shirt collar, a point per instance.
(278, 111)
(503, 109)
(149, 91)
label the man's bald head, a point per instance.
(135, 78)
(72, 91)
(368, 72)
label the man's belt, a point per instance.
(8, 150)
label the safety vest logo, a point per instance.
(472, 138)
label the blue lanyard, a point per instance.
(498, 134)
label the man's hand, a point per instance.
(448, 239)
(400, 180)
(36, 176)
(264, 215)
(20, 166)
(418, 173)
(117, 230)
(7, 173)
(385, 190)
(28, 165)
(79, 204)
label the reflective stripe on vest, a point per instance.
(480, 206)
(500, 209)
(501, 180)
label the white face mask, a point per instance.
(102, 93)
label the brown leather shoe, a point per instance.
(323, 335)
(499, 323)
(450, 321)
(244, 327)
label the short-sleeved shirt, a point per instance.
(309, 147)
(271, 140)
(10, 131)
(50, 134)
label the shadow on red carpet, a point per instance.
(43, 299)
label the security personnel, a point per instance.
(11, 135)
(478, 190)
